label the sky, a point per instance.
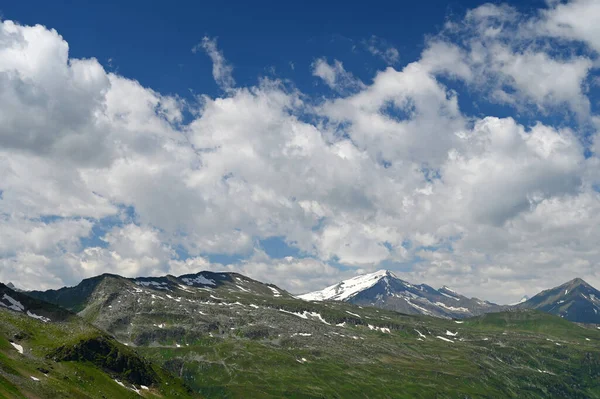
(454, 143)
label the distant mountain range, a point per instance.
(575, 300)
(383, 289)
(215, 335)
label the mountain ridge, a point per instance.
(76, 297)
(383, 289)
(576, 300)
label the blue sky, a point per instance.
(452, 142)
(151, 40)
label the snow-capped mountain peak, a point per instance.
(384, 289)
(348, 288)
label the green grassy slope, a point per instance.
(533, 357)
(68, 358)
(242, 339)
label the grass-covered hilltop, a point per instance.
(222, 335)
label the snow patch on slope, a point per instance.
(18, 347)
(449, 296)
(452, 308)
(158, 285)
(199, 280)
(9, 302)
(306, 315)
(35, 316)
(12, 303)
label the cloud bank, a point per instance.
(100, 174)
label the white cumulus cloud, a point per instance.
(101, 174)
(222, 70)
